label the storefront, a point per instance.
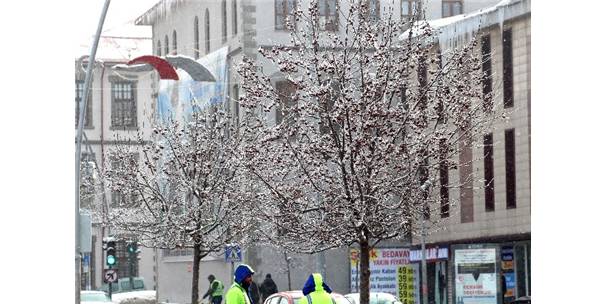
(437, 272)
(490, 273)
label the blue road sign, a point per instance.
(233, 254)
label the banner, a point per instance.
(390, 272)
(184, 96)
(475, 276)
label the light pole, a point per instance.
(424, 290)
(87, 81)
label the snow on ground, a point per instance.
(135, 297)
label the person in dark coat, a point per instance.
(254, 292)
(268, 287)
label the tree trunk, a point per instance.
(364, 271)
(195, 275)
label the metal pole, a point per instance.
(87, 81)
(424, 290)
(423, 264)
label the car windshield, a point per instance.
(94, 297)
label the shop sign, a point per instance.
(390, 272)
(509, 275)
(431, 254)
(475, 276)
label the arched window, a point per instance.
(196, 39)
(165, 44)
(224, 23)
(159, 48)
(174, 42)
(234, 16)
(207, 32)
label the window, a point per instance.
(440, 104)
(488, 173)
(486, 73)
(444, 194)
(510, 168)
(174, 42)
(507, 69)
(466, 173)
(159, 48)
(451, 8)
(88, 122)
(285, 90)
(196, 39)
(177, 252)
(403, 99)
(374, 9)
(236, 91)
(234, 17)
(328, 15)
(284, 9)
(224, 21)
(206, 32)
(327, 104)
(422, 76)
(423, 177)
(408, 9)
(165, 44)
(124, 105)
(118, 198)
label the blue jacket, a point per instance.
(310, 285)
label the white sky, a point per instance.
(120, 14)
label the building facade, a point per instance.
(119, 110)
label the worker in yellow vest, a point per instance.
(238, 293)
(315, 291)
(215, 290)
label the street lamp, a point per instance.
(87, 82)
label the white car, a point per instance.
(94, 297)
(375, 298)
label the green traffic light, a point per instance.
(111, 260)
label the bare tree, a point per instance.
(365, 124)
(185, 190)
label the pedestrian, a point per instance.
(239, 293)
(315, 291)
(254, 292)
(215, 290)
(268, 287)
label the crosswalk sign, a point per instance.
(233, 254)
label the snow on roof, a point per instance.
(158, 11)
(448, 29)
(118, 48)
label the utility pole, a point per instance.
(87, 81)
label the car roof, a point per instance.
(298, 293)
(92, 291)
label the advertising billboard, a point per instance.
(390, 272)
(476, 276)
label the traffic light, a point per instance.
(132, 248)
(111, 253)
